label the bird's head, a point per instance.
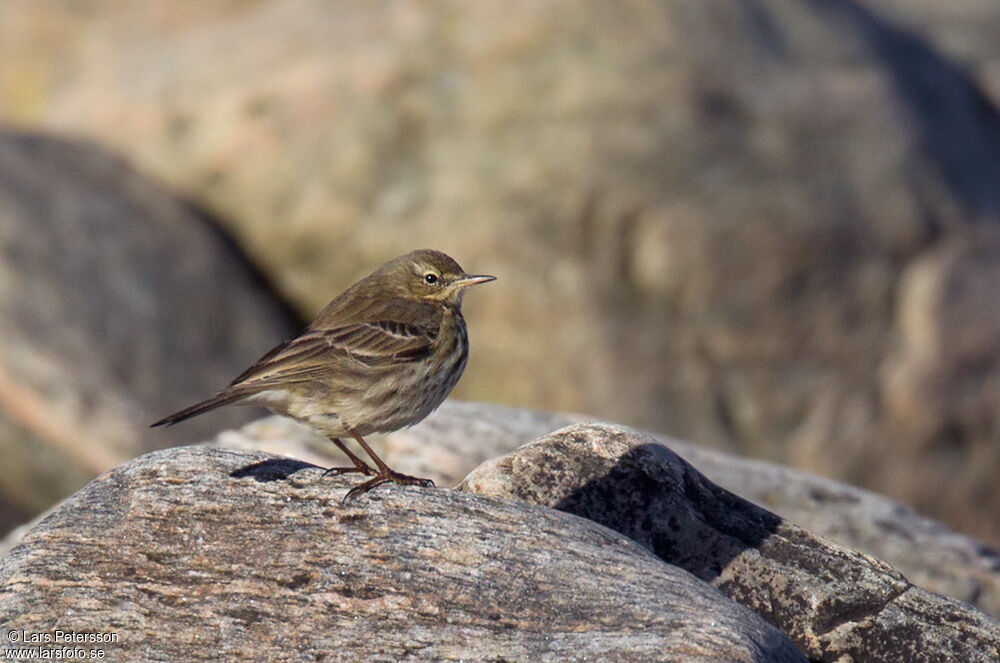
(432, 276)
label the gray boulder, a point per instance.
(200, 554)
(835, 603)
(459, 436)
(119, 303)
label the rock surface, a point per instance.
(460, 435)
(204, 554)
(118, 305)
(771, 222)
(836, 604)
(928, 553)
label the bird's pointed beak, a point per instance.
(468, 280)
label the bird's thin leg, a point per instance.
(385, 473)
(360, 466)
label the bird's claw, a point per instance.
(388, 477)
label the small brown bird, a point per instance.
(381, 356)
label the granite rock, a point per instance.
(835, 603)
(205, 554)
(460, 435)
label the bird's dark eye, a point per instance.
(431, 278)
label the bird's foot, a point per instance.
(357, 469)
(360, 466)
(387, 477)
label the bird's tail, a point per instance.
(223, 398)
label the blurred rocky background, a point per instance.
(117, 303)
(768, 226)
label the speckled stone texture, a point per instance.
(202, 554)
(835, 603)
(460, 435)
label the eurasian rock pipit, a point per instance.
(381, 356)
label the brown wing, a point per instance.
(319, 351)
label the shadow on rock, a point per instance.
(683, 518)
(833, 602)
(272, 469)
